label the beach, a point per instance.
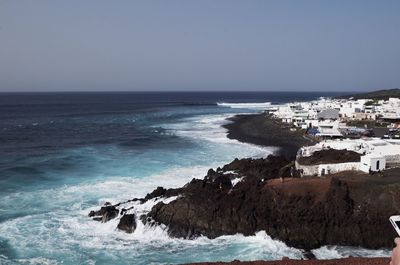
(261, 129)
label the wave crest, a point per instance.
(255, 106)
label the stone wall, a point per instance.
(315, 170)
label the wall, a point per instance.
(368, 163)
(312, 170)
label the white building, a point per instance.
(314, 114)
(372, 162)
(328, 124)
(378, 154)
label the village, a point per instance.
(347, 134)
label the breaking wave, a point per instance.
(254, 106)
(337, 252)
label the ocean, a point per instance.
(64, 154)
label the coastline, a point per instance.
(343, 261)
(256, 179)
(190, 201)
(261, 129)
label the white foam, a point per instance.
(5, 261)
(208, 128)
(337, 252)
(99, 235)
(236, 181)
(255, 246)
(32, 261)
(229, 172)
(259, 245)
(204, 127)
(67, 227)
(254, 106)
(37, 261)
(65, 223)
(113, 189)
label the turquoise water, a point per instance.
(63, 155)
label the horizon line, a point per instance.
(183, 91)
(198, 91)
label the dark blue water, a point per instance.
(63, 154)
(44, 122)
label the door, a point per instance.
(377, 165)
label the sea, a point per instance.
(65, 154)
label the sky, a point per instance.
(213, 45)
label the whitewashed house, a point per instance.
(377, 155)
(372, 163)
(328, 124)
(311, 123)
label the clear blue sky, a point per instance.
(199, 45)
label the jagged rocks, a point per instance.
(304, 213)
(160, 191)
(127, 223)
(262, 168)
(348, 209)
(105, 214)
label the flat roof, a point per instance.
(373, 156)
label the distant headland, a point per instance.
(383, 94)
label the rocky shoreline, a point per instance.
(251, 195)
(345, 261)
(245, 197)
(303, 213)
(262, 129)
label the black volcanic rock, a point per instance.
(330, 156)
(206, 208)
(349, 209)
(127, 223)
(262, 129)
(160, 191)
(222, 182)
(105, 214)
(306, 215)
(262, 168)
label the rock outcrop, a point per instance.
(127, 223)
(262, 168)
(245, 197)
(304, 213)
(160, 191)
(105, 214)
